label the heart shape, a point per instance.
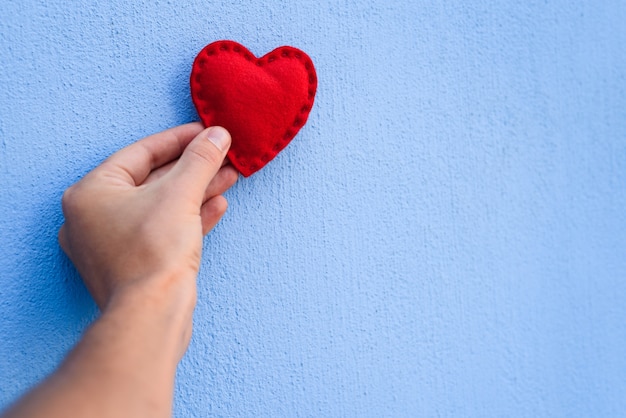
(263, 102)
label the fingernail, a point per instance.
(219, 137)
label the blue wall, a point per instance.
(446, 236)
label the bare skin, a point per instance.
(133, 229)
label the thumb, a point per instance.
(201, 161)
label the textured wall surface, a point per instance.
(446, 236)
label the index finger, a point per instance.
(135, 162)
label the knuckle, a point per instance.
(222, 205)
(72, 200)
(68, 199)
(207, 154)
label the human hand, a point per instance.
(135, 223)
(133, 228)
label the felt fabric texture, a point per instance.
(263, 102)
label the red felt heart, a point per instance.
(263, 102)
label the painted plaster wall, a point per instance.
(446, 236)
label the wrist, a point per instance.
(160, 305)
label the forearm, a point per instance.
(124, 365)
